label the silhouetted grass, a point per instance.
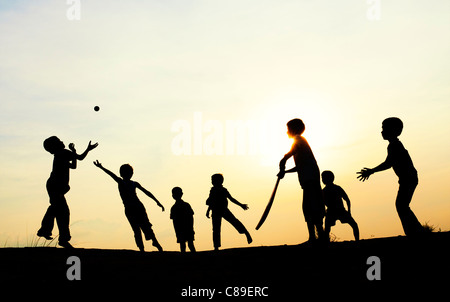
(430, 228)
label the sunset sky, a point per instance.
(191, 88)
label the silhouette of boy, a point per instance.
(57, 186)
(308, 176)
(134, 209)
(183, 221)
(217, 202)
(332, 196)
(398, 158)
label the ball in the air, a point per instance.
(96, 108)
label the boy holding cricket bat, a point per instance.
(309, 178)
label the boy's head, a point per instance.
(217, 179)
(126, 171)
(327, 177)
(392, 128)
(53, 144)
(177, 193)
(295, 127)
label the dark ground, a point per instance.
(303, 271)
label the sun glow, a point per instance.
(318, 120)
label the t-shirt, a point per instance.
(127, 190)
(183, 221)
(59, 178)
(307, 168)
(332, 195)
(218, 198)
(398, 157)
(181, 210)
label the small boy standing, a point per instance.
(134, 209)
(217, 202)
(333, 195)
(182, 216)
(399, 160)
(57, 186)
(308, 176)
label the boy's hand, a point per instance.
(283, 163)
(281, 174)
(72, 147)
(364, 174)
(244, 206)
(162, 207)
(90, 146)
(98, 164)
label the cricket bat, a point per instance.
(269, 205)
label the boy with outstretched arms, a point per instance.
(134, 209)
(400, 161)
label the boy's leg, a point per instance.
(311, 231)
(355, 228)
(150, 235)
(228, 216)
(320, 231)
(138, 238)
(47, 224)
(136, 229)
(327, 228)
(216, 225)
(183, 246)
(156, 244)
(62, 215)
(410, 223)
(146, 227)
(191, 246)
(48, 221)
(313, 210)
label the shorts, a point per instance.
(313, 205)
(340, 214)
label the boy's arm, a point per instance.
(366, 172)
(283, 172)
(150, 195)
(347, 200)
(291, 170)
(85, 153)
(383, 166)
(284, 160)
(114, 176)
(244, 206)
(208, 203)
(73, 162)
